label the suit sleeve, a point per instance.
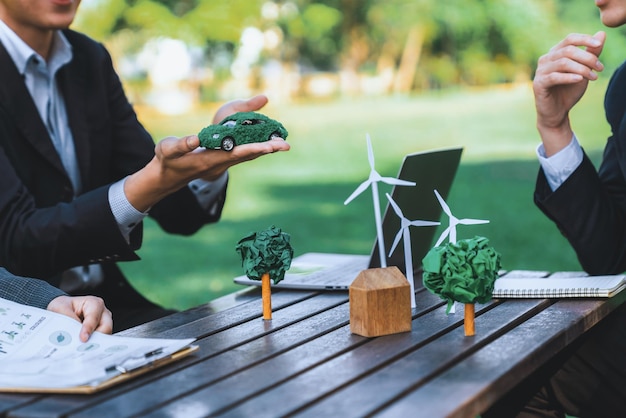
(589, 216)
(27, 291)
(43, 241)
(589, 208)
(179, 213)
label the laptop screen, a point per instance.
(430, 170)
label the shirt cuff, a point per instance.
(125, 214)
(561, 165)
(208, 192)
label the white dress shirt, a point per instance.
(561, 165)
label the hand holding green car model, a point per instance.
(178, 161)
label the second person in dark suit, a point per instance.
(589, 208)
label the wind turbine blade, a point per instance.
(396, 241)
(358, 191)
(370, 151)
(443, 236)
(395, 181)
(424, 223)
(443, 204)
(395, 206)
(472, 221)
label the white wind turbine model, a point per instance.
(451, 229)
(404, 233)
(454, 221)
(373, 180)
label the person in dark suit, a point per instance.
(78, 172)
(89, 310)
(589, 208)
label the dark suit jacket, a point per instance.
(590, 207)
(43, 228)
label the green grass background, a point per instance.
(302, 191)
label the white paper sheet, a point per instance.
(41, 349)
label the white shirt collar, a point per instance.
(21, 53)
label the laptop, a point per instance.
(430, 170)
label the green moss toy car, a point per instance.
(241, 128)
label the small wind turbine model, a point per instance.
(373, 180)
(450, 232)
(454, 221)
(404, 233)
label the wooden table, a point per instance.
(305, 361)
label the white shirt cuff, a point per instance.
(125, 214)
(207, 192)
(561, 165)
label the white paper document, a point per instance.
(40, 349)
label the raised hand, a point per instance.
(179, 160)
(560, 81)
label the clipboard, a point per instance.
(41, 352)
(113, 381)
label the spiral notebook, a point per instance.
(519, 285)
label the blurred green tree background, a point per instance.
(414, 74)
(337, 47)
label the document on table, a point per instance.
(40, 351)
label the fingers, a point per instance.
(63, 305)
(250, 105)
(172, 147)
(248, 152)
(600, 38)
(239, 154)
(90, 310)
(244, 152)
(595, 42)
(573, 59)
(95, 315)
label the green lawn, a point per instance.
(302, 191)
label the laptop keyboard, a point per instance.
(337, 278)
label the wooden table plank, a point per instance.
(239, 386)
(12, 401)
(305, 361)
(249, 308)
(67, 403)
(414, 369)
(225, 393)
(214, 344)
(346, 368)
(177, 319)
(472, 386)
(217, 367)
